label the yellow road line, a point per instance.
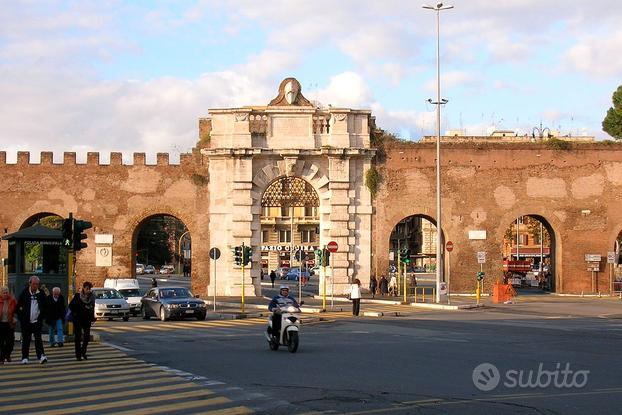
(63, 369)
(60, 366)
(90, 389)
(237, 410)
(83, 382)
(97, 397)
(180, 405)
(82, 375)
(179, 397)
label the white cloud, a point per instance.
(347, 90)
(453, 79)
(597, 55)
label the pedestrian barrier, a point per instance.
(423, 293)
(502, 293)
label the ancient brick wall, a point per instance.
(115, 197)
(487, 186)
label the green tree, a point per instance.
(612, 124)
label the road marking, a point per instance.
(189, 405)
(238, 410)
(83, 375)
(178, 397)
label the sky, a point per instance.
(135, 76)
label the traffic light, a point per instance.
(405, 255)
(79, 226)
(300, 255)
(326, 258)
(480, 275)
(237, 254)
(247, 254)
(318, 257)
(68, 233)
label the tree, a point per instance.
(612, 124)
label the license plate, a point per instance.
(114, 312)
(189, 311)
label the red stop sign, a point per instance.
(332, 246)
(449, 246)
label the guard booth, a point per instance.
(39, 251)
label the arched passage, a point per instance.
(47, 219)
(161, 245)
(42, 257)
(290, 222)
(529, 254)
(415, 236)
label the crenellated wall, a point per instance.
(115, 197)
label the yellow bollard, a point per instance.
(477, 293)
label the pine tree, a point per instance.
(612, 124)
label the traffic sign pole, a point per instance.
(214, 254)
(324, 288)
(242, 277)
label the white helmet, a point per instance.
(284, 287)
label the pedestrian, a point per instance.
(393, 286)
(373, 283)
(355, 296)
(56, 317)
(186, 269)
(82, 308)
(272, 277)
(31, 311)
(7, 324)
(154, 282)
(384, 286)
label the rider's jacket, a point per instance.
(280, 301)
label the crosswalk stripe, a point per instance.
(90, 389)
(23, 372)
(59, 370)
(81, 376)
(87, 398)
(178, 397)
(83, 382)
(182, 405)
(237, 410)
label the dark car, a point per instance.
(172, 302)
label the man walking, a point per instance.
(56, 317)
(31, 310)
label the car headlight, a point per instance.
(172, 305)
(202, 305)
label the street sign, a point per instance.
(443, 288)
(214, 253)
(481, 257)
(592, 257)
(449, 246)
(332, 246)
(611, 257)
(593, 266)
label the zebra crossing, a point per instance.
(108, 382)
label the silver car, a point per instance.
(109, 303)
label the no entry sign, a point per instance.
(449, 246)
(332, 246)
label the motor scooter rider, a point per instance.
(278, 301)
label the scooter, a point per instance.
(290, 327)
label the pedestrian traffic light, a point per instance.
(68, 233)
(79, 226)
(480, 275)
(247, 254)
(300, 255)
(237, 254)
(318, 257)
(326, 258)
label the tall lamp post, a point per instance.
(439, 247)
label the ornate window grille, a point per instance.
(290, 191)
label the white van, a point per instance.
(129, 289)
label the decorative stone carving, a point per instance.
(239, 117)
(290, 95)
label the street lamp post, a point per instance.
(179, 270)
(438, 103)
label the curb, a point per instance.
(446, 307)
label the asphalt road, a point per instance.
(419, 364)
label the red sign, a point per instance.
(332, 246)
(449, 246)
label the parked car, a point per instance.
(140, 269)
(149, 269)
(109, 303)
(167, 269)
(295, 273)
(282, 272)
(172, 302)
(129, 289)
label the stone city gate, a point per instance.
(251, 147)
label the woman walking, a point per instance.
(82, 308)
(355, 296)
(7, 324)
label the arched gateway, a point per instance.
(252, 147)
